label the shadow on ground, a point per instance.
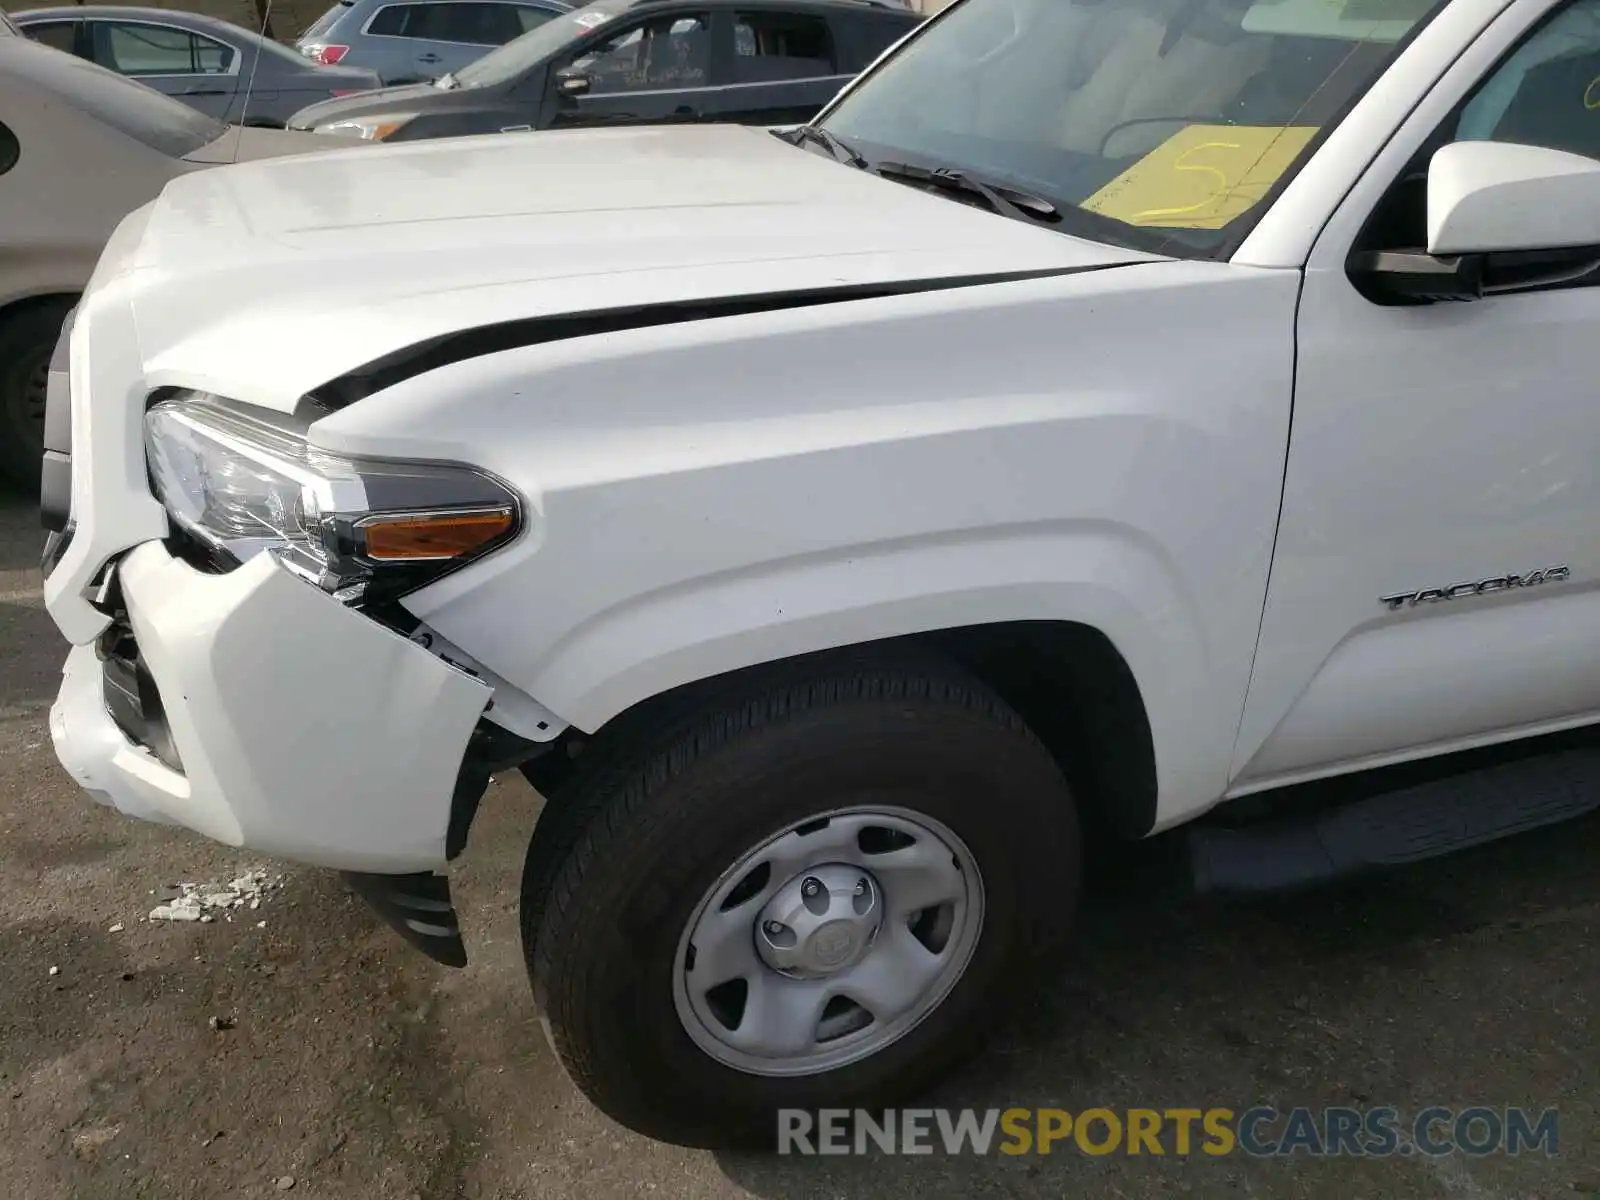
(26, 678)
(1457, 982)
(324, 1065)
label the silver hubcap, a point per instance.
(828, 941)
(821, 923)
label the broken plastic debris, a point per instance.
(117, 928)
(174, 912)
(55, 970)
(204, 901)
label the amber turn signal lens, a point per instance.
(420, 537)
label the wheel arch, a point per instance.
(15, 306)
(1066, 680)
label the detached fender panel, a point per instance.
(1105, 447)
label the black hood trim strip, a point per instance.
(482, 340)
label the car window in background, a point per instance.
(135, 109)
(394, 20)
(325, 22)
(672, 51)
(511, 60)
(530, 18)
(1153, 123)
(131, 48)
(58, 35)
(475, 24)
(465, 23)
(770, 45)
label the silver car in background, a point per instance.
(410, 41)
(212, 65)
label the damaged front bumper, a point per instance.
(289, 723)
(254, 709)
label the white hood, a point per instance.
(264, 280)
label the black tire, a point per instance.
(27, 339)
(651, 818)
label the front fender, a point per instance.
(1102, 577)
(1104, 448)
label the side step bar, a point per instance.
(1397, 827)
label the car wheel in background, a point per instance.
(27, 339)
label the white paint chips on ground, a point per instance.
(205, 902)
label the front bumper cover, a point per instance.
(298, 727)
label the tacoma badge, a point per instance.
(1482, 587)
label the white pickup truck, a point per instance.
(1105, 411)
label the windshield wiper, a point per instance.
(821, 137)
(1002, 198)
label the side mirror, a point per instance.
(572, 82)
(1497, 197)
(1500, 217)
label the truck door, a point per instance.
(1436, 580)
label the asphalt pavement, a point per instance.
(299, 1048)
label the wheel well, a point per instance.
(1067, 682)
(16, 308)
(1076, 692)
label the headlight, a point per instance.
(246, 481)
(371, 129)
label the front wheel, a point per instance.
(818, 894)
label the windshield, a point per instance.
(142, 113)
(515, 57)
(1158, 124)
(8, 27)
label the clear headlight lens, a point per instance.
(243, 486)
(371, 129)
(245, 481)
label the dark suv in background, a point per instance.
(625, 62)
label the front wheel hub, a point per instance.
(828, 941)
(821, 922)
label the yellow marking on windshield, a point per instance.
(1203, 176)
